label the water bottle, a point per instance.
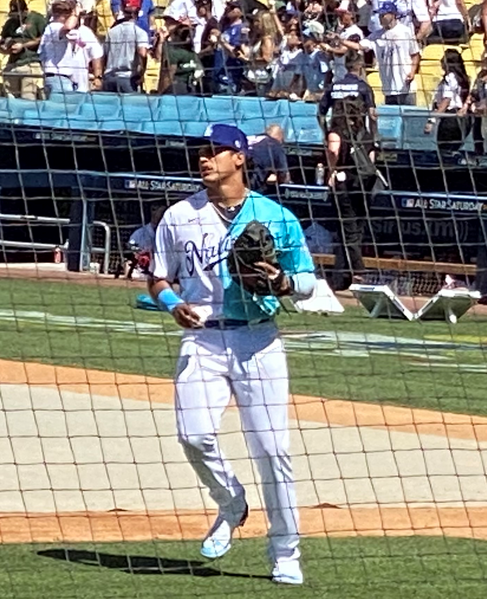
(320, 174)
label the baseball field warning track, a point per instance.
(92, 455)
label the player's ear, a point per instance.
(239, 159)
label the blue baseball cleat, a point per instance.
(219, 538)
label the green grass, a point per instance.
(352, 363)
(360, 568)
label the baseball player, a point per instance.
(231, 343)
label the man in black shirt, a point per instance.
(350, 156)
(352, 85)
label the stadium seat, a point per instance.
(162, 128)
(298, 109)
(390, 125)
(373, 79)
(260, 107)
(179, 108)
(194, 129)
(68, 98)
(97, 112)
(253, 126)
(138, 112)
(5, 116)
(34, 118)
(96, 98)
(218, 107)
(302, 130)
(75, 121)
(436, 51)
(414, 137)
(112, 124)
(17, 107)
(48, 108)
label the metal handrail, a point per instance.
(105, 250)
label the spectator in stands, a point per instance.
(269, 159)
(352, 85)
(347, 29)
(67, 50)
(209, 46)
(20, 38)
(351, 177)
(126, 48)
(450, 98)
(181, 69)
(477, 103)
(263, 43)
(186, 11)
(408, 13)
(397, 54)
(288, 56)
(233, 43)
(203, 23)
(315, 66)
(145, 16)
(89, 52)
(287, 67)
(451, 22)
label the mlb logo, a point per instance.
(131, 184)
(408, 202)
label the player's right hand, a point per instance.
(186, 317)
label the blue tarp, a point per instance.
(401, 127)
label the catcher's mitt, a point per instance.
(255, 244)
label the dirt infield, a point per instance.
(88, 455)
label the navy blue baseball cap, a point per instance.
(228, 136)
(388, 8)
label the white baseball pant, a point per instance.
(250, 363)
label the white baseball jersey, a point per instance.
(192, 244)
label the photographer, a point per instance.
(351, 177)
(21, 35)
(351, 85)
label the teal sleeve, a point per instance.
(294, 254)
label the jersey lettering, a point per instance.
(208, 255)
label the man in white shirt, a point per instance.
(397, 54)
(408, 12)
(66, 51)
(186, 10)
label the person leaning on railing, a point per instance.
(20, 38)
(450, 98)
(126, 48)
(181, 68)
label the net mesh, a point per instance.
(386, 417)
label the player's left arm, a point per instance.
(295, 259)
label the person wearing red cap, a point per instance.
(144, 17)
(126, 48)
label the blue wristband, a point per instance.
(169, 299)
